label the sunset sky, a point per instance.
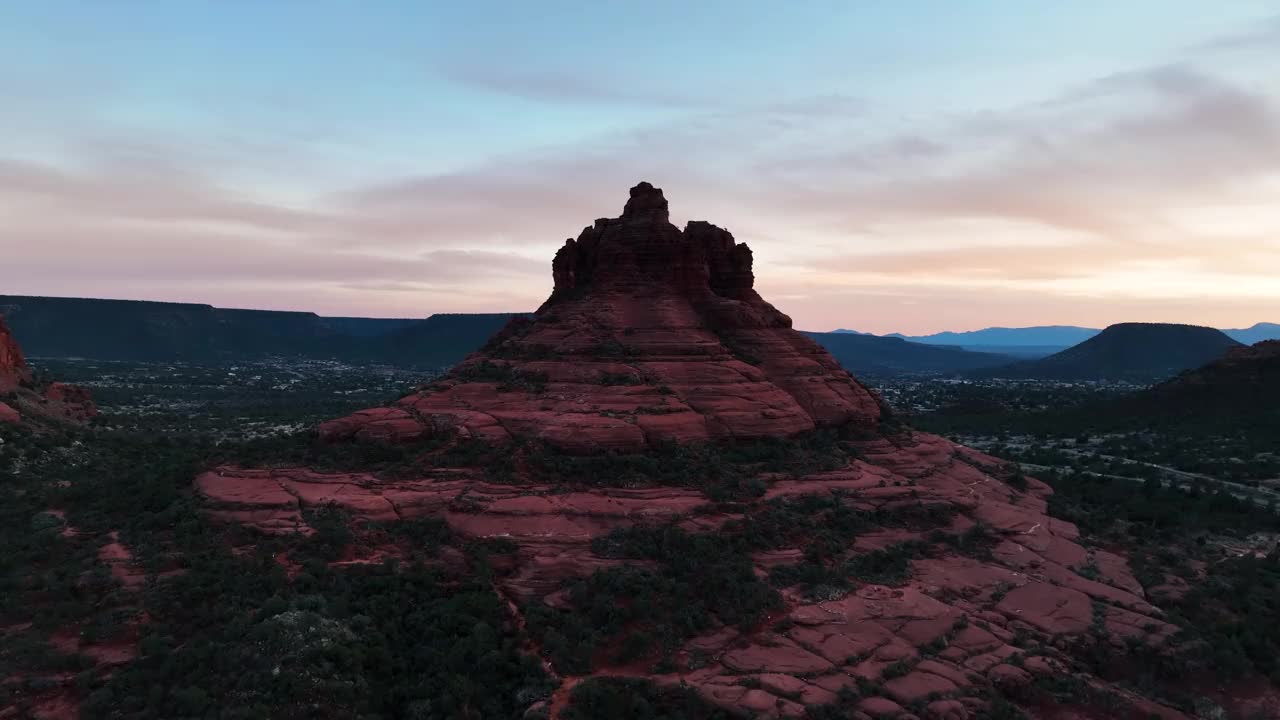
(895, 166)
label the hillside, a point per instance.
(1133, 352)
(1242, 387)
(873, 355)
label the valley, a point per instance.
(264, 398)
(230, 401)
(1060, 425)
(651, 499)
(122, 484)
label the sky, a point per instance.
(902, 166)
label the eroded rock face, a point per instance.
(652, 335)
(13, 366)
(56, 400)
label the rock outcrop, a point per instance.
(655, 344)
(652, 335)
(58, 401)
(13, 366)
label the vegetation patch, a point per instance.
(632, 699)
(1230, 616)
(622, 378)
(508, 377)
(234, 634)
(730, 471)
(695, 582)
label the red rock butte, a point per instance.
(651, 335)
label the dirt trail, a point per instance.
(559, 699)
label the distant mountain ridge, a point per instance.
(1049, 336)
(1255, 334)
(874, 355)
(1045, 335)
(138, 330)
(146, 331)
(1135, 352)
(150, 331)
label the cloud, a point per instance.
(133, 255)
(136, 193)
(1109, 158)
(1265, 35)
(1104, 159)
(584, 86)
(105, 228)
(558, 86)
(1012, 265)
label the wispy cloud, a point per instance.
(1263, 36)
(1103, 159)
(561, 86)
